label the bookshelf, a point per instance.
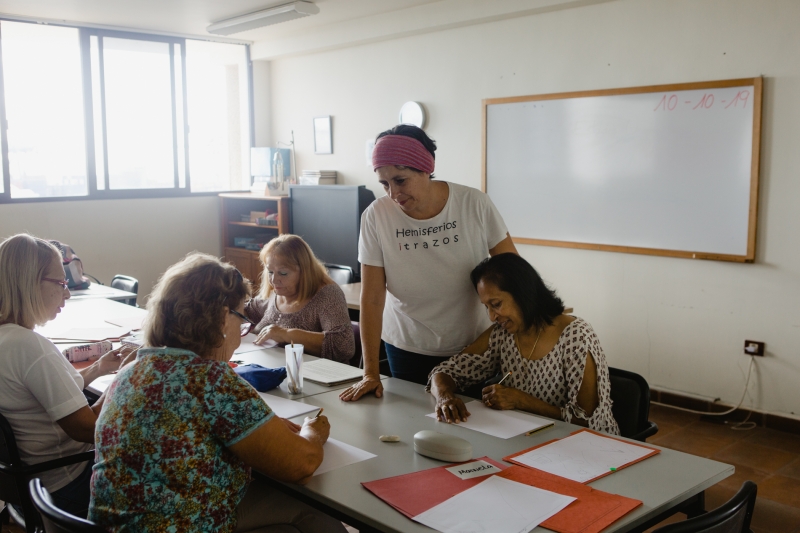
(233, 207)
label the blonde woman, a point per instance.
(300, 303)
(180, 430)
(40, 392)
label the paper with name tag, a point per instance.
(473, 469)
(496, 505)
(339, 454)
(286, 408)
(501, 424)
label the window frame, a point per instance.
(93, 193)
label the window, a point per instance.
(108, 114)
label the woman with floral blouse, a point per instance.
(180, 430)
(557, 367)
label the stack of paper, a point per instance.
(501, 424)
(318, 177)
(327, 372)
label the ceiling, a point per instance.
(193, 16)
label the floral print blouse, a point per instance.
(555, 378)
(162, 437)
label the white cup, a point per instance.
(294, 368)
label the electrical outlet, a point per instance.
(754, 348)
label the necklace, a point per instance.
(534, 344)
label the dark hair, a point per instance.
(414, 132)
(512, 274)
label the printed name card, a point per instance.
(473, 469)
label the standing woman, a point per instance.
(417, 247)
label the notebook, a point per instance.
(327, 372)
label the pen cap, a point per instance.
(442, 447)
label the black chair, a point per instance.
(731, 517)
(631, 396)
(14, 477)
(341, 274)
(54, 519)
(128, 284)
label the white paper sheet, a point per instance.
(248, 344)
(473, 469)
(286, 408)
(501, 424)
(330, 373)
(339, 454)
(94, 334)
(582, 456)
(497, 505)
(130, 323)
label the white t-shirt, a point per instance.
(38, 386)
(431, 305)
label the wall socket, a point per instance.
(754, 348)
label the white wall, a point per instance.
(680, 323)
(140, 238)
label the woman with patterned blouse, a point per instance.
(300, 303)
(557, 366)
(180, 430)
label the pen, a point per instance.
(320, 412)
(504, 378)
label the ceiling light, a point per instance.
(265, 17)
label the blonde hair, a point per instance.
(186, 308)
(292, 248)
(23, 261)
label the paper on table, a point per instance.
(329, 372)
(339, 454)
(285, 408)
(129, 322)
(496, 505)
(99, 385)
(248, 344)
(501, 424)
(94, 334)
(582, 456)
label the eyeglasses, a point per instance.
(64, 283)
(247, 324)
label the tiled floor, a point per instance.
(767, 457)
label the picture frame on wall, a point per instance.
(323, 135)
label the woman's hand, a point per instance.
(294, 428)
(367, 384)
(451, 409)
(273, 332)
(111, 361)
(500, 397)
(318, 426)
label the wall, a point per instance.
(140, 237)
(680, 323)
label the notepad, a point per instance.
(583, 456)
(327, 372)
(501, 424)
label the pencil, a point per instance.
(504, 378)
(531, 432)
(320, 412)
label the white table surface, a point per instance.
(660, 482)
(101, 291)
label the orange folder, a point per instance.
(593, 510)
(653, 451)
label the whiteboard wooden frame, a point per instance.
(756, 83)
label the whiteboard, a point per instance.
(664, 170)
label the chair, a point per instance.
(54, 519)
(731, 517)
(128, 284)
(356, 359)
(14, 476)
(341, 274)
(630, 394)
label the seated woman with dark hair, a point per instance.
(180, 430)
(557, 366)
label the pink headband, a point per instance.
(402, 150)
